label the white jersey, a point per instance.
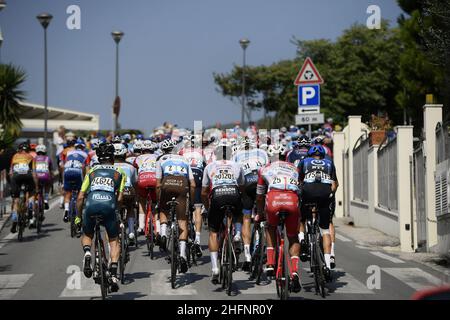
(222, 173)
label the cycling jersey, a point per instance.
(100, 185)
(130, 172)
(173, 165)
(296, 155)
(251, 161)
(222, 173)
(279, 175)
(317, 171)
(42, 166)
(21, 164)
(131, 160)
(74, 164)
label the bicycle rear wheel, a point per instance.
(102, 272)
(173, 258)
(39, 214)
(286, 270)
(261, 255)
(321, 276)
(230, 263)
(151, 238)
(72, 215)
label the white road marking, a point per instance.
(413, 277)
(87, 287)
(342, 238)
(160, 285)
(386, 257)
(363, 247)
(344, 283)
(10, 284)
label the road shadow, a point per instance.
(127, 296)
(132, 277)
(336, 284)
(5, 268)
(189, 278)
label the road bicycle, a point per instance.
(228, 260)
(39, 208)
(174, 247)
(191, 254)
(101, 274)
(22, 213)
(150, 228)
(258, 245)
(283, 268)
(314, 243)
(73, 211)
(124, 245)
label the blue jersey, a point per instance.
(75, 161)
(317, 171)
(297, 155)
(173, 165)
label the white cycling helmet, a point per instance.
(276, 149)
(168, 145)
(95, 142)
(41, 148)
(149, 145)
(120, 149)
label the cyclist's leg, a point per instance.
(272, 223)
(142, 202)
(129, 205)
(15, 194)
(164, 198)
(248, 201)
(215, 217)
(332, 232)
(112, 230)
(198, 214)
(86, 239)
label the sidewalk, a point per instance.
(376, 240)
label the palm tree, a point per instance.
(11, 79)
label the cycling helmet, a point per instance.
(117, 139)
(105, 152)
(293, 129)
(247, 143)
(304, 142)
(33, 146)
(41, 149)
(276, 149)
(120, 150)
(94, 143)
(149, 145)
(137, 146)
(80, 143)
(126, 137)
(283, 130)
(168, 145)
(24, 146)
(316, 151)
(318, 140)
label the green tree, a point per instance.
(11, 80)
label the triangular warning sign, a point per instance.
(308, 74)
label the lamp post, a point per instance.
(244, 44)
(2, 6)
(117, 36)
(45, 19)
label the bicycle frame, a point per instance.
(100, 267)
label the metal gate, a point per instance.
(419, 184)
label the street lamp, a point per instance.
(244, 44)
(2, 6)
(117, 36)
(44, 19)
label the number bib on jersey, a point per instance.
(21, 168)
(148, 166)
(42, 167)
(102, 184)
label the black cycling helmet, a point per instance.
(24, 146)
(319, 140)
(105, 152)
(304, 141)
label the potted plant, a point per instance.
(378, 125)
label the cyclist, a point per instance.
(251, 159)
(277, 191)
(73, 161)
(93, 154)
(129, 193)
(222, 183)
(300, 150)
(103, 189)
(174, 179)
(21, 173)
(137, 151)
(42, 167)
(319, 183)
(328, 155)
(146, 166)
(194, 154)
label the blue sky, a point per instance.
(168, 54)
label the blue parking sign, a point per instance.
(308, 96)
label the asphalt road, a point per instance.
(48, 267)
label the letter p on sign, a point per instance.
(308, 96)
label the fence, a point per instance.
(441, 177)
(419, 184)
(387, 175)
(360, 169)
